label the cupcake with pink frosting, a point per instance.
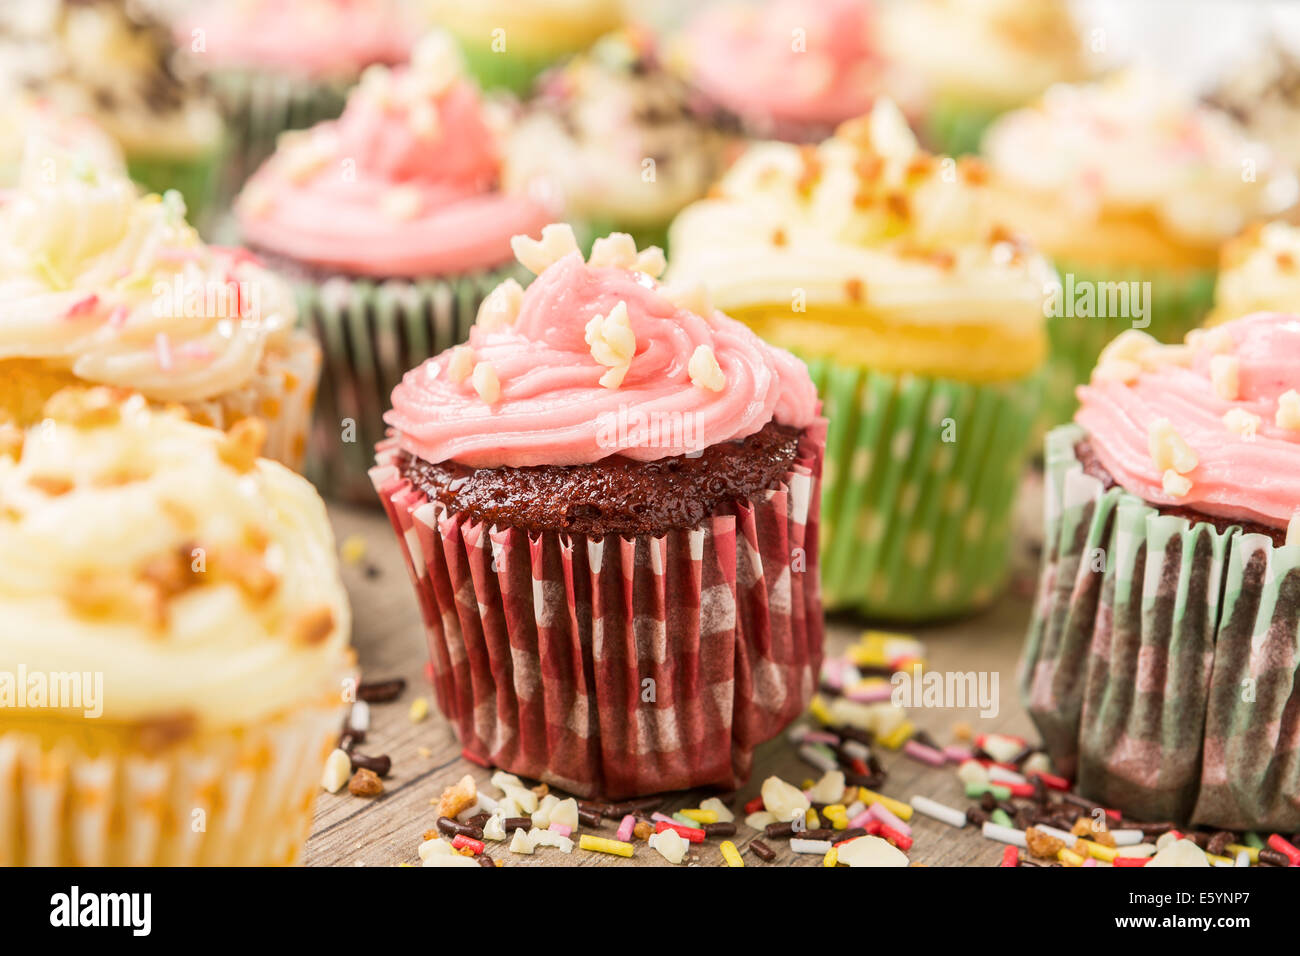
(392, 225)
(286, 64)
(791, 69)
(1162, 655)
(608, 503)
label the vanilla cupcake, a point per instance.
(99, 285)
(1130, 186)
(186, 596)
(1259, 271)
(979, 58)
(23, 117)
(922, 324)
(110, 61)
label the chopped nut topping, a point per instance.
(612, 343)
(1288, 410)
(401, 203)
(1225, 376)
(1043, 844)
(313, 626)
(485, 382)
(457, 797)
(365, 783)
(651, 261)
(705, 371)
(536, 255)
(1168, 449)
(853, 289)
(1241, 422)
(1175, 484)
(693, 298)
(778, 237)
(52, 485)
(617, 250)
(462, 363)
(242, 444)
(86, 407)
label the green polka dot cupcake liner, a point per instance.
(1162, 663)
(1178, 303)
(954, 127)
(918, 487)
(372, 332)
(194, 177)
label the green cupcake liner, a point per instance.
(955, 127)
(258, 107)
(194, 177)
(1161, 661)
(918, 485)
(1179, 302)
(653, 234)
(509, 70)
(372, 332)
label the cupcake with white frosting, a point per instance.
(23, 117)
(1259, 271)
(186, 596)
(99, 285)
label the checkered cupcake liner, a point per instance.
(372, 333)
(1161, 661)
(1179, 303)
(64, 802)
(916, 527)
(621, 666)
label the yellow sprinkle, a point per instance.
(806, 783)
(1220, 859)
(1069, 857)
(813, 821)
(832, 857)
(701, 816)
(731, 854)
(1251, 851)
(864, 657)
(419, 710)
(834, 809)
(1098, 851)
(897, 807)
(604, 845)
(353, 549)
(899, 735)
(817, 707)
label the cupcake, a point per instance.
(106, 60)
(277, 65)
(1263, 95)
(613, 134)
(790, 69)
(922, 324)
(1130, 186)
(1259, 271)
(1160, 664)
(99, 285)
(390, 223)
(508, 42)
(608, 504)
(978, 58)
(175, 641)
(25, 116)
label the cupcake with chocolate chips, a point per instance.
(615, 138)
(608, 503)
(392, 226)
(1161, 660)
(173, 605)
(99, 285)
(107, 60)
(921, 321)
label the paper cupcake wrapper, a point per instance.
(282, 393)
(1179, 301)
(621, 666)
(372, 333)
(916, 527)
(258, 107)
(955, 127)
(239, 798)
(194, 177)
(1161, 660)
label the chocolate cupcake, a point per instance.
(1162, 655)
(608, 503)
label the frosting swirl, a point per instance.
(547, 373)
(198, 579)
(320, 39)
(378, 192)
(119, 290)
(1135, 145)
(1213, 425)
(24, 116)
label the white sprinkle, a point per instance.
(995, 831)
(938, 811)
(1127, 837)
(819, 847)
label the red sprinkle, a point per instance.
(685, 832)
(859, 767)
(904, 843)
(754, 806)
(1010, 856)
(460, 841)
(1130, 861)
(1282, 845)
(1017, 789)
(81, 307)
(475, 758)
(1052, 781)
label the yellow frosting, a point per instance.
(533, 27)
(868, 249)
(1259, 272)
(199, 581)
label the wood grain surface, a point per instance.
(387, 830)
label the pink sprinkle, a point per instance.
(117, 318)
(163, 350)
(870, 695)
(657, 816)
(1090, 862)
(625, 826)
(861, 820)
(81, 307)
(878, 811)
(957, 753)
(919, 751)
(820, 737)
(561, 829)
(196, 351)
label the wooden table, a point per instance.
(387, 633)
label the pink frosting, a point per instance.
(317, 38)
(552, 408)
(1236, 477)
(744, 58)
(385, 199)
